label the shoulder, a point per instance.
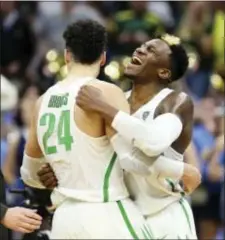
(108, 89)
(175, 101)
(113, 94)
(46, 94)
(183, 103)
(37, 108)
(39, 102)
(178, 103)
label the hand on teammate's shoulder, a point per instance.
(90, 98)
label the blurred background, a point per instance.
(32, 61)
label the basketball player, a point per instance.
(81, 161)
(91, 198)
(161, 124)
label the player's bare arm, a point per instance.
(92, 99)
(190, 156)
(163, 130)
(182, 105)
(99, 103)
(33, 156)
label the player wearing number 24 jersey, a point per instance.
(92, 201)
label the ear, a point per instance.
(164, 73)
(67, 56)
(103, 59)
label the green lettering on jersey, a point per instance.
(48, 119)
(57, 101)
(64, 136)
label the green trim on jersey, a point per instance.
(107, 176)
(144, 234)
(171, 183)
(173, 187)
(147, 233)
(126, 220)
(185, 213)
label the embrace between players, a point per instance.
(115, 161)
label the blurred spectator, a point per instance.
(8, 103)
(202, 27)
(218, 34)
(164, 12)
(17, 41)
(135, 26)
(208, 137)
(8, 95)
(88, 9)
(16, 139)
(177, 8)
(52, 20)
(190, 156)
(50, 26)
(194, 29)
(221, 232)
(28, 9)
(48, 8)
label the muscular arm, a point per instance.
(190, 156)
(33, 156)
(163, 166)
(9, 165)
(156, 136)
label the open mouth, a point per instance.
(136, 61)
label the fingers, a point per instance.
(23, 230)
(31, 214)
(46, 168)
(47, 176)
(83, 92)
(31, 221)
(29, 227)
(88, 90)
(51, 182)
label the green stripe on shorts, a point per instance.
(107, 176)
(126, 220)
(185, 213)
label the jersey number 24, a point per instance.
(63, 131)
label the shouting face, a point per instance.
(150, 62)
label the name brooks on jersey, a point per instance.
(57, 101)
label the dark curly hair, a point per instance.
(86, 40)
(179, 62)
(178, 59)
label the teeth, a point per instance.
(136, 60)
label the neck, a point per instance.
(142, 93)
(76, 70)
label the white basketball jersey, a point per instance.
(86, 167)
(152, 193)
